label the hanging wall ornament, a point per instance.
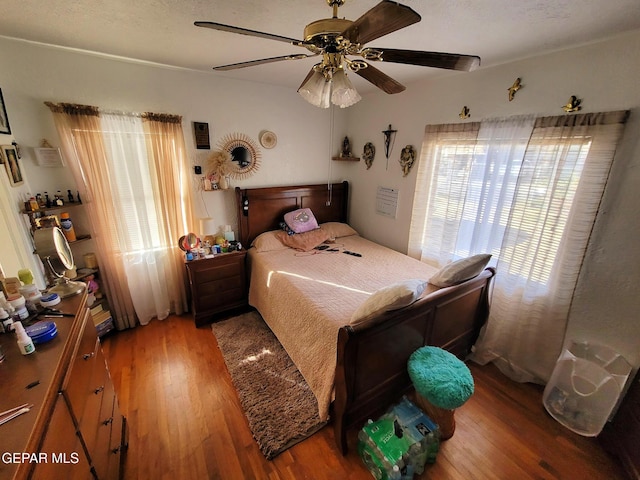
(465, 113)
(517, 85)
(389, 140)
(573, 105)
(407, 158)
(368, 154)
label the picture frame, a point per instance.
(10, 156)
(4, 119)
(49, 157)
(201, 133)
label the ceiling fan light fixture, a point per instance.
(343, 94)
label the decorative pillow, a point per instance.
(389, 298)
(337, 229)
(301, 220)
(267, 241)
(460, 270)
(303, 241)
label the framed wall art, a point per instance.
(49, 157)
(10, 158)
(4, 119)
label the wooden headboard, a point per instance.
(262, 209)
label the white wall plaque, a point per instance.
(387, 201)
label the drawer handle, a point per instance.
(116, 450)
(99, 389)
(108, 421)
(87, 356)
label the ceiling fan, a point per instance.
(338, 39)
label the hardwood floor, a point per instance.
(186, 422)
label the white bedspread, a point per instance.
(306, 297)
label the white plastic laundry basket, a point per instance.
(585, 387)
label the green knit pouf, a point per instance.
(440, 377)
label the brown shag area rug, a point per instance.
(280, 407)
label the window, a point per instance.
(527, 191)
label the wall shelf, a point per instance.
(346, 159)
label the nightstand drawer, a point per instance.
(217, 272)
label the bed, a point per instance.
(353, 361)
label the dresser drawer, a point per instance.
(100, 391)
(65, 456)
(76, 387)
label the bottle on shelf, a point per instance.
(31, 203)
(67, 227)
(70, 196)
(47, 200)
(59, 202)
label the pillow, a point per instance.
(337, 229)
(393, 297)
(460, 270)
(267, 241)
(303, 241)
(301, 220)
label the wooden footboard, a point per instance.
(371, 371)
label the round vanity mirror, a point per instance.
(188, 242)
(54, 251)
(245, 154)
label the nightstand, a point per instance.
(218, 285)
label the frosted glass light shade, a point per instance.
(316, 90)
(343, 95)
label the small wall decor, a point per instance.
(10, 160)
(18, 149)
(201, 133)
(368, 154)
(4, 119)
(245, 154)
(49, 157)
(573, 105)
(219, 165)
(346, 148)
(345, 152)
(268, 139)
(465, 113)
(389, 140)
(517, 85)
(407, 158)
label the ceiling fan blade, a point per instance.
(251, 63)
(244, 31)
(381, 80)
(384, 18)
(451, 61)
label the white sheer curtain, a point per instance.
(138, 225)
(132, 171)
(528, 194)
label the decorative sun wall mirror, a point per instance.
(245, 154)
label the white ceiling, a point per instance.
(162, 31)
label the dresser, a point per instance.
(75, 429)
(218, 285)
(621, 436)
